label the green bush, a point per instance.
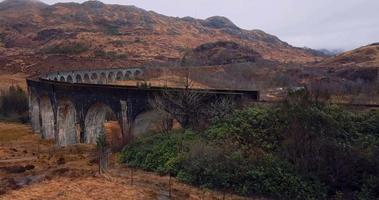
(253, 128)
(226, 168)
(299, 150)
(158, 152)
(196, 161)
(335, 145)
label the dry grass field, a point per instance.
(31, 168)
(7, 79)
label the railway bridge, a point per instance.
(71, 107)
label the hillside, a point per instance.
(366, 56)
(219, 53)
(38, 37)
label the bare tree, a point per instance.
(102, 147)
(221, 107)
(183, 103)
(190, 107)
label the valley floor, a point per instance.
(31, 168)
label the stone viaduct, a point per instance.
(99, 76)
(71, 107)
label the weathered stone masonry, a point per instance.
(71, 113)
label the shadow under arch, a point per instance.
(110, 77)
(78, 78)
(101, 118)
(94, 76)
(138, 74)
(119, 76)
(62, 79)
(103, 78)
(67, 123)
(47, 118)
(128, 75)
(70, 79)
(86, 78)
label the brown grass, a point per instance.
(77, 178)
(7, 79)
(13, 131)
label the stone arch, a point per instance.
(86, 78)
(128, 75)
(94, 76)
(70, 79)
(62, 79)
(103, 78)
(110, 77)
(101, 117)
(67, 123)
(150, 121)
(138, 74)
(56, 79)
(119, 76)
(34, 113)
(47, 118)
(78, 78)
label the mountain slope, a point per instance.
(219, 53)
(366, 56)
(37, 37)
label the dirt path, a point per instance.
(31, 168)
(16, 160)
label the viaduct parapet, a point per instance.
(97, 76)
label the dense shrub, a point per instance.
(299, 150)
(253, 128)
(229, 169)
(158, 152)
(196, 161)
(335, 145)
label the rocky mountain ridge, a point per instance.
(36, 37)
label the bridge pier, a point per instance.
(124, 121)
(34, 111)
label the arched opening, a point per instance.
(119, 76)
(138, 74)
(110, 77)
(62, 79)
(101, 118)
(94, 76)
(78, 78)
(86, 78)
(55, 79)
(128, 75)
(47, 118)
(103, 78)
(67, 127)
(34, 113)
(69, 79)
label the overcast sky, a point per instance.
(331, 24)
